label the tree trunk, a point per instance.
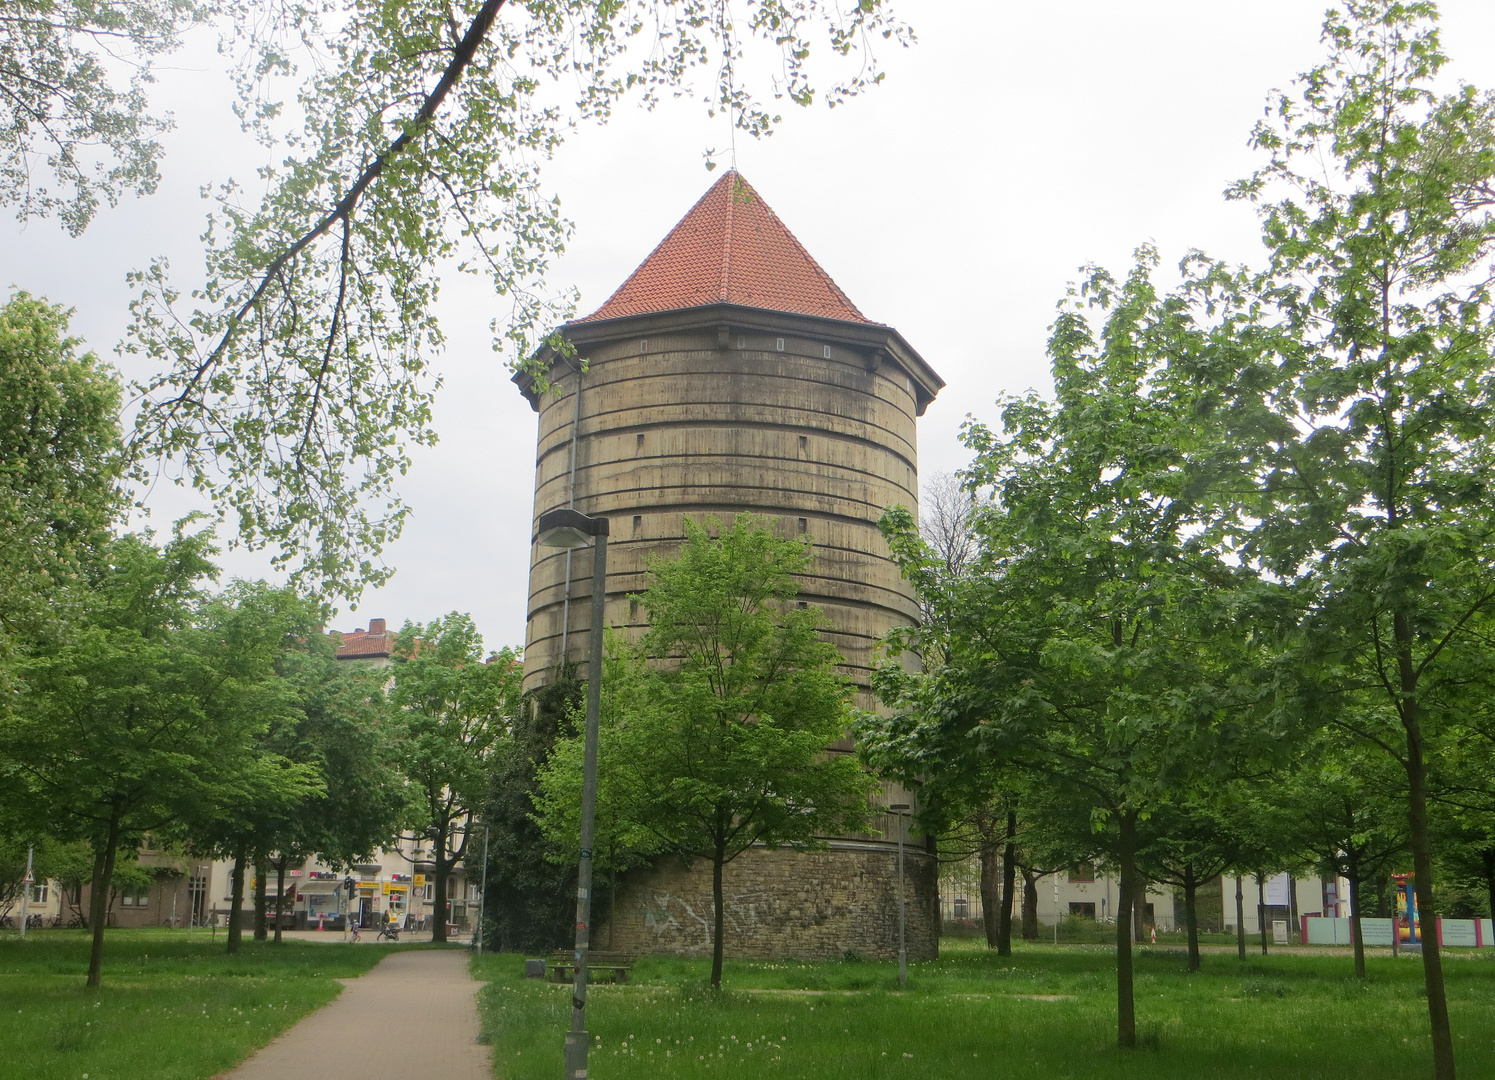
(236, 903)
(1427, 909)
(98, 902)
(1261, 908)
(443, 871)
(1030, 906)
(1296, 928)
(1009, 881)
(1191, 915)
(280, 894)
(718, 920)
(1357, 938)
(1240, 919)
(1126, 1004)
(259, 898)
(990, 894)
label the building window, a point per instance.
(135, 899)
(961, 905)
(39, 892)
(1082, 911)
(804, 525)
(643, 346)
(804, 442)
(430, 892)
(827, 352)
(1085, 872)
(742, 343)
(779, 344)
(638, 523)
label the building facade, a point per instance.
(729, 374)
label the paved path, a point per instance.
(414, 1014)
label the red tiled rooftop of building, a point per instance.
(730, 248)
(362, 644)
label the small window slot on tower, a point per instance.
(639, 445)
(804, 525)
(804, 442)
(826, 352)
(742, 343)
(803, 604)
(780, 344)
(643, 346)
(638, 523)
(632, 610)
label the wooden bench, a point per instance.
(561, 967)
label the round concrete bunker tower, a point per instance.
(729, 374)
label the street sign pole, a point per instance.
(26, 891)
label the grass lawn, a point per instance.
(1044, 1012)
(173, 1006)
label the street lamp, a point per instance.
(901, 810)
(567, 528)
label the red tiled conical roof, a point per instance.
(730, 249)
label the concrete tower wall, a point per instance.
(673, 426)
(681, 417)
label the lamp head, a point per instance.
(566, 528)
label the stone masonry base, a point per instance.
(818, 905)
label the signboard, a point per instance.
(1407, 928)
(1279, 891)
(293, 873)
(420, 880)
(1458, 933)
(1279, 931)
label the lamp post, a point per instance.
(569, 529)
(901, 810)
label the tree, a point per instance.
(419, 139)
(720, 718)
(1344, 808)
(341, 730)
(67, 118)
(621, 840)
(1192, 840)
(454, 710)
(1097, 639)
(145, 714)
(60, 465)
(1373, 327)
(531, 896)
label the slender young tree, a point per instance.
(720, 719)
(1375, 207)
(454, 711)
(1344, 808)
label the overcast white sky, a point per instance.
(1014, 143)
